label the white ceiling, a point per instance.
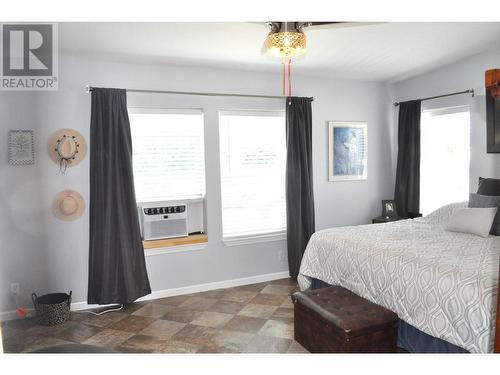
(374, 52)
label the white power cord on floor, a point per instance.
(104, 312)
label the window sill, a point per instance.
(175, 245)
(254, 238)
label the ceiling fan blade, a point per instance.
(324, 23)
(275, 26)
(337, 25)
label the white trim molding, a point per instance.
(215, 285)
(254, 238)
(175, 249)
(11, 315)
(195, 288)
(77, 306)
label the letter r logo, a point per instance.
(27, 50)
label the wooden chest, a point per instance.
(335, 320)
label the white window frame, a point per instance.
(438, 111)
(177, 111)
(248, 239)
(254, 238)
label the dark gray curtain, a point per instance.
(299, 180)
(117, 268)
(407, 192)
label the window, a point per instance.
(168, 154)
(252, 158)
(444, 158)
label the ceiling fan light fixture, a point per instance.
(285, 44)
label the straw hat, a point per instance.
(67, 147)
(68, 205)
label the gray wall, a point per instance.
(22, 225)
(462, 75)
(52, 255)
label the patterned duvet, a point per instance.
(443, 283)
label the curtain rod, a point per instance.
(469, 91)
(91, 88)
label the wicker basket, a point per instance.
(52, 309)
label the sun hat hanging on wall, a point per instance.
(68, 205)
(67, 147)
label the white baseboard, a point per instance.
(196, 288)
(76, 306)
(11, 315)
(215, 285)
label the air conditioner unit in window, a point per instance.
(166, 219)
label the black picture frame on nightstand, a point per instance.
(389, 209)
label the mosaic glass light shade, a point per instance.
(286, 44)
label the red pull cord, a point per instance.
(289, 77)
(284, 77)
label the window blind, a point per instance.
(168, 154)
(444, 157)
(253, 160)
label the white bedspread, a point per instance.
(445, 284)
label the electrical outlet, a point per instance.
(14, 289)
(281, 256)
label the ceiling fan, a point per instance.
(287, 39)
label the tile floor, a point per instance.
(255, 318)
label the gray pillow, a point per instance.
(483, 201)
(489, 186)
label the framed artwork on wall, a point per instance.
(347, 151)
(21, 147)
(492, 123)
(492, 81)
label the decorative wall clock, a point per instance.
(21, 147)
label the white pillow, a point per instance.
(476, 221)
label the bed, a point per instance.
(443, 284)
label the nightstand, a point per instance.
(413, 215)
(383, 219)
